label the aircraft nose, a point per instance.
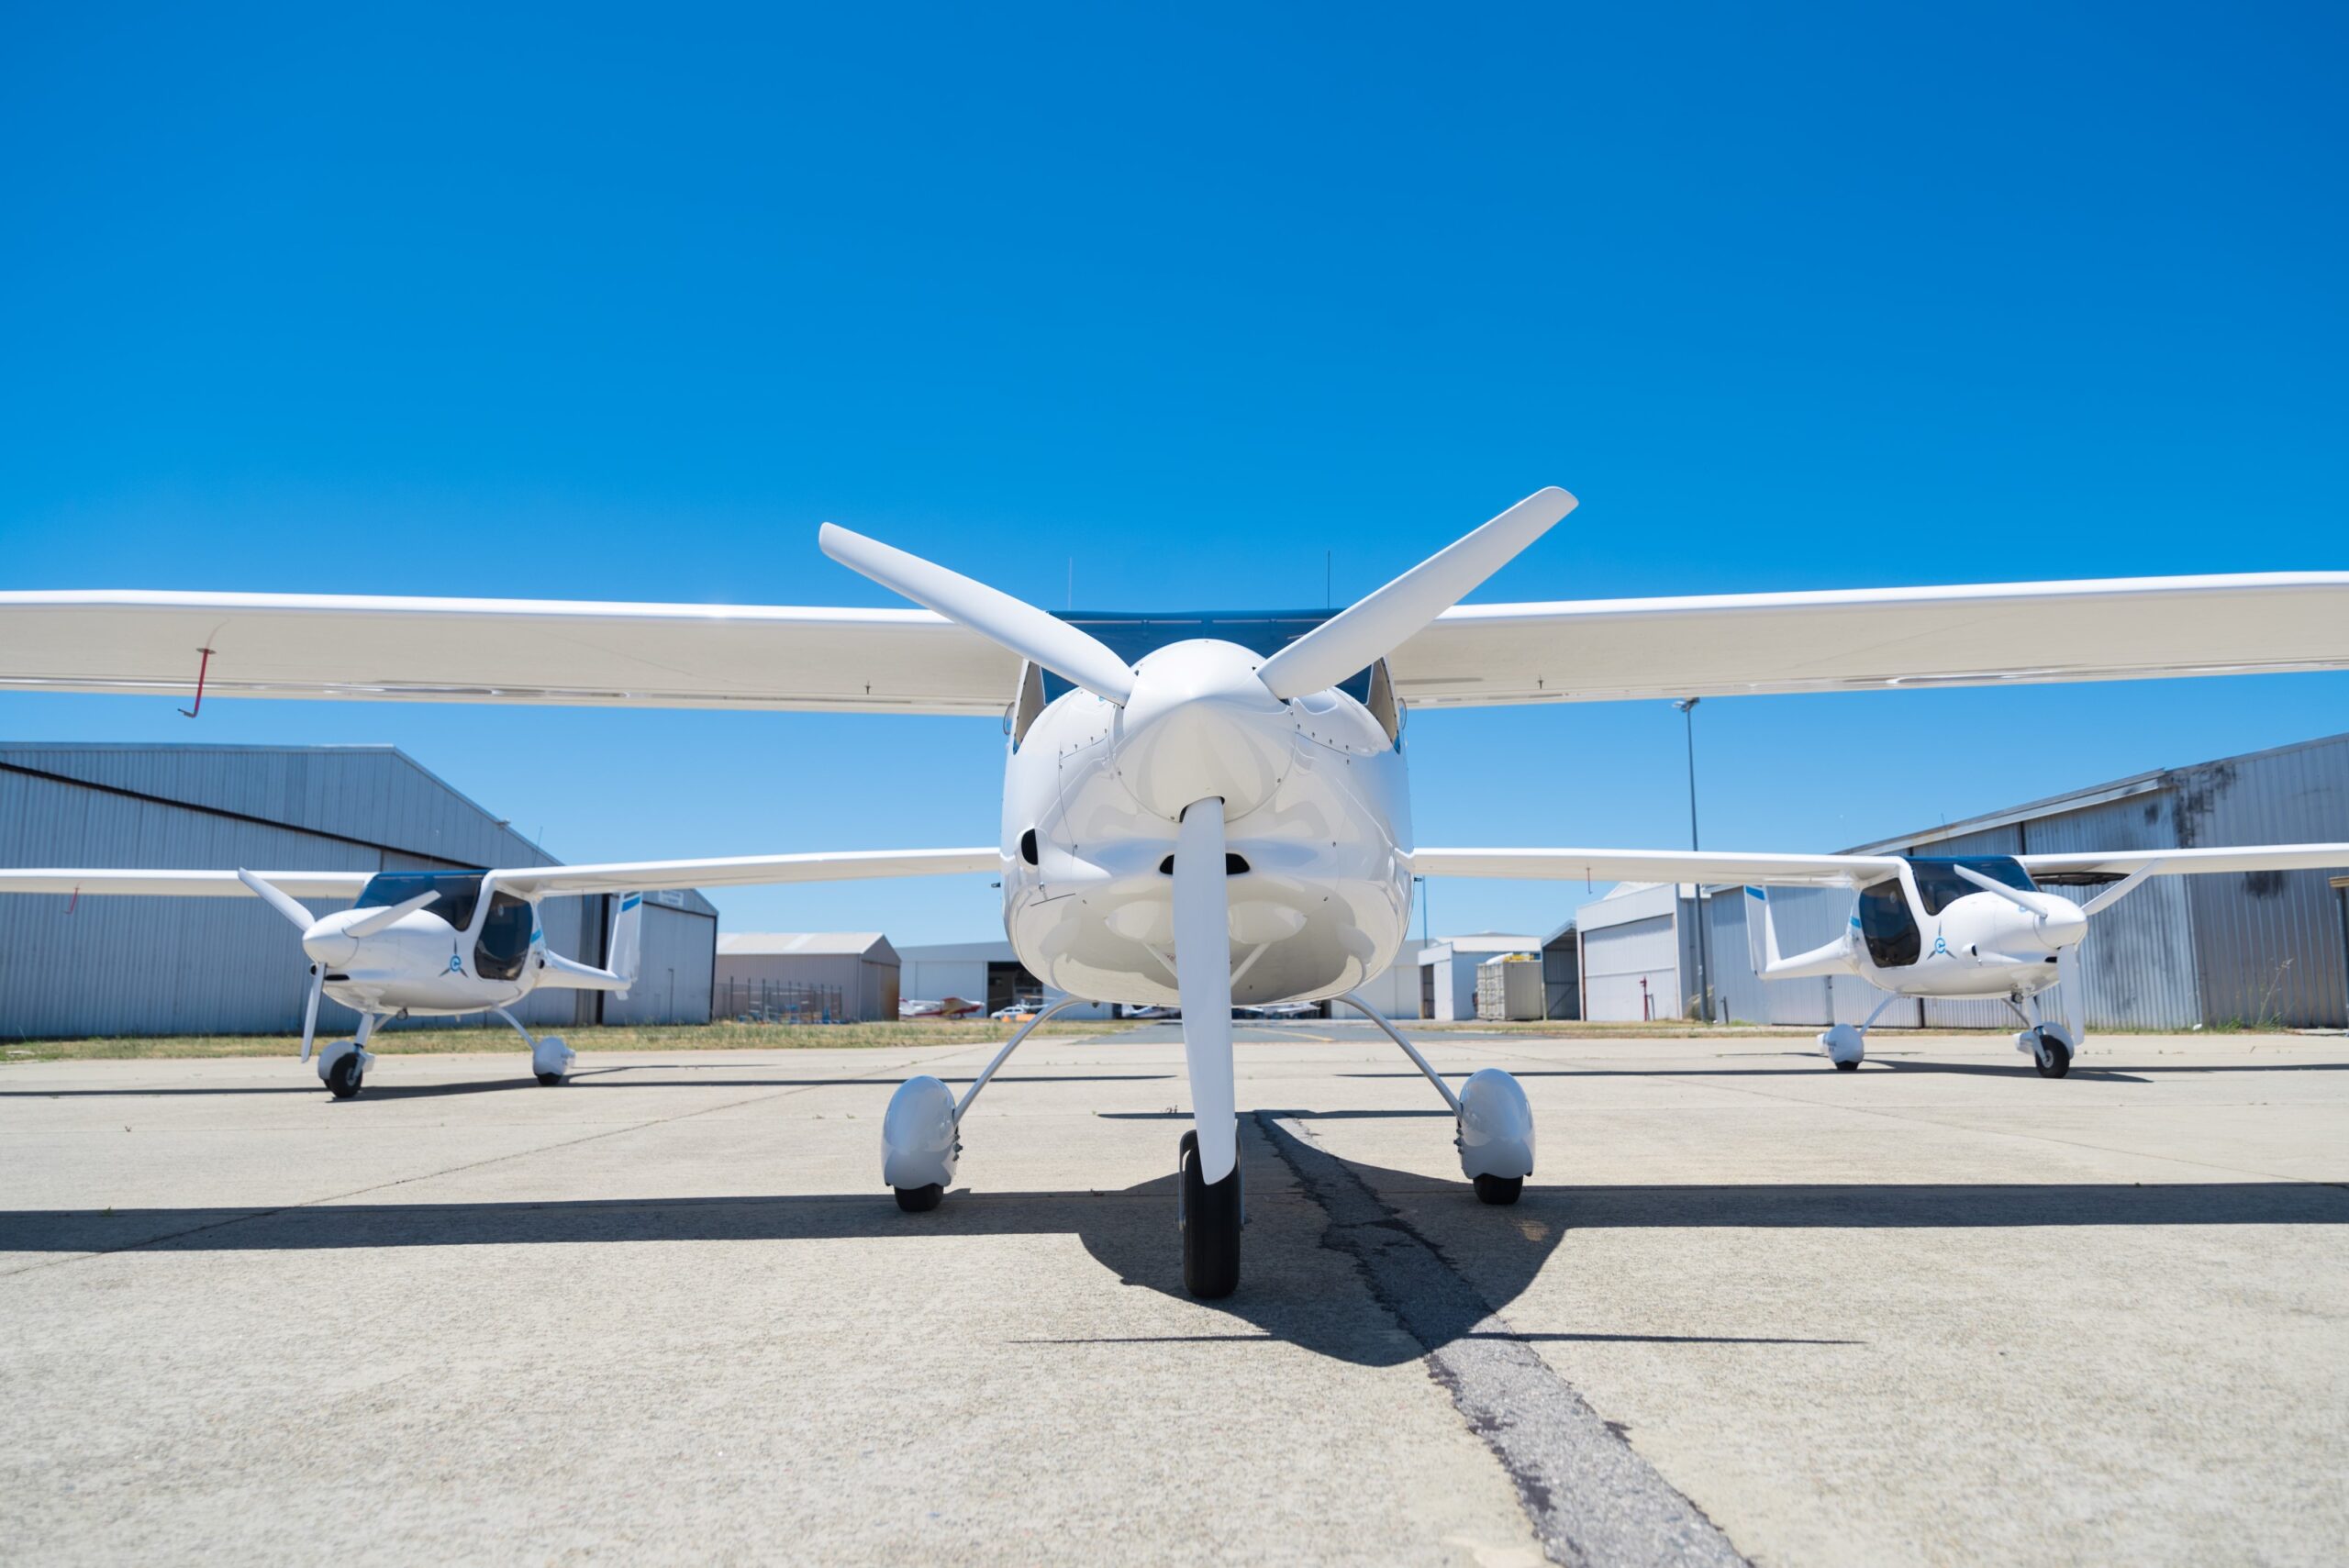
(328, 946)
(1200, 724)
(2063, 925)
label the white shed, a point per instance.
(1448, 971)
(814, 976)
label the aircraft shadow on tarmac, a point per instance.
(584, 1078)
(1286, 1294)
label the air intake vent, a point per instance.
(1233, 865)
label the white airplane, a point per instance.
(445, 943)
(1963, 926)
(1198, 811)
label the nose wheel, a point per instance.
(2050, 1054)
(1210, 1217)
(342, 1067)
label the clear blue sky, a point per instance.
(573, 305)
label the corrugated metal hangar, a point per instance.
(145, 966)
(2269, 947)
(817, 977)
(987, 972)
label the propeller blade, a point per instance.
(1366, 631)
(2069, 980)
(1992, 884)
(1203, 979)
(310, 1013)
(1022, 628)
(375, 921)
(278, 899)
(2121, 889)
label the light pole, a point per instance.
(1687, 706)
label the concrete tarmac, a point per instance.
(1940, 1310)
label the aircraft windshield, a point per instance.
(459, 891)
(1939, 885)
(1260, 631)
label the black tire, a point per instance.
(1499, 1189)
(1847, 1067)
(919, 1200)
(2053, 1058)
(345, 1076)
(550, 1079)
(1212, 1216)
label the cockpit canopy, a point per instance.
(1132, 634)
(1888, 921)
(1939, 885)
(503, 944)
(459, 891)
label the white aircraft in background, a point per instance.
(1957, 926)
(1198, 811)
(446, 944)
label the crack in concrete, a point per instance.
(1592, 1500)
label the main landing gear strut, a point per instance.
(921, 1131)
(1493, 1125)
(1845, 1045)
(550, 1058)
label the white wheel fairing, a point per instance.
(1842, 1043)
(918, 1141)
(551, 1058)
(1496, 1127)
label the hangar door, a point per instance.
(1631, 970)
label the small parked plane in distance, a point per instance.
(446, 944)
(1963, 926)
(1199, 811)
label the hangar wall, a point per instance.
(1447, 972)
(987, 972)
(846, 976)
(677, 959)
(135, 966)
(1635, 959)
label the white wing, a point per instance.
(2179, 863)
(627, 876)
(355, 648)
(328, 884)
(1877, 639)
(1655, 865)
(628, 655)
(1847, 870)
(746, 871)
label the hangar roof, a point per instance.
(1475, 943)
(997, 951)
(376, 798)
